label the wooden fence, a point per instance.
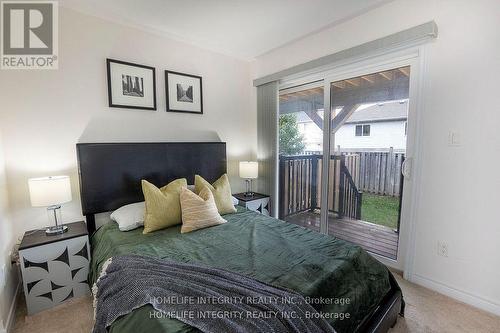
(377, 172)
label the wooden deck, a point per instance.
(372, 237)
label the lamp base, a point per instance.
(57, 230)
(249, 193)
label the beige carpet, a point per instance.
(426, 311)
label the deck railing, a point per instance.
(300, 186)
(350, 197)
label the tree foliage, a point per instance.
(291, 141)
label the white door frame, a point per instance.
(413, 57)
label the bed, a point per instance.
(365, 296)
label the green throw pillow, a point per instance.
(163, 207)
(221, 191)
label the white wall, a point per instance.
(459, 186)
(44, 113)
(9, 280)
(382, 135)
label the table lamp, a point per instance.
(51, 192)
(249, 171)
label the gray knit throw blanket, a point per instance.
(210, 299)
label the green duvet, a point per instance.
(344, 281)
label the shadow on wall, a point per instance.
(137, 128)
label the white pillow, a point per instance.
(129, 217)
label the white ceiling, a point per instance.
(241, 28)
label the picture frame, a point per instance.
(131, 86)
(184, 92)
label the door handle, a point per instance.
(406, 167)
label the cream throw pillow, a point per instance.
(221, 191)
(163, 207)
(198, 211)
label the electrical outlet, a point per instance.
(442, 249)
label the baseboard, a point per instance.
(468, 298)
(12, 311)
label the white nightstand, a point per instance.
(258, 202)
(54, 268)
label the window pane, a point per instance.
(366, 130)
(359, 129)
(301, 154)
(301, 121)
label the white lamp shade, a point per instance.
(249, 170)
(49, 191)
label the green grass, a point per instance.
(379, 209)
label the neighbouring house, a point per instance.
(312, 134)
(371, 126)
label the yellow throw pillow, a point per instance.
(221, 191)
(198, 211)
(163, 207)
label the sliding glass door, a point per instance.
(341, 172)
(368, 147)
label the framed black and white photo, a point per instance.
(183, 92)
(131, 86)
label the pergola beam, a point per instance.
(313, 114)
(342, 117)
(366, 78)
(349, 94)
(386, 75)
(405, 71)
(380, 91)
